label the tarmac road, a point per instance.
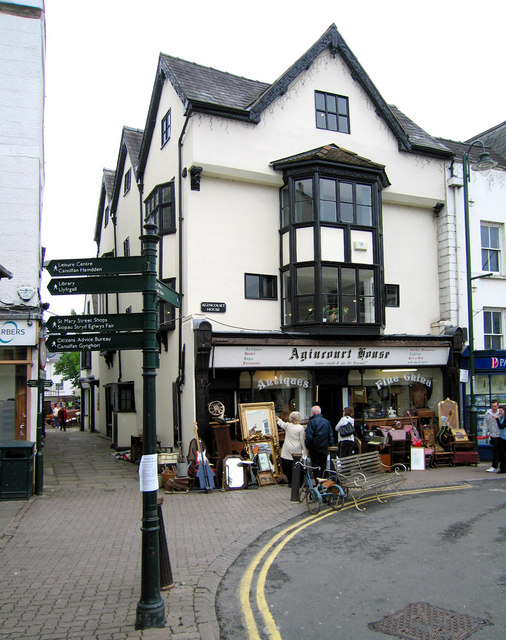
(349, 569)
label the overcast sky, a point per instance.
(427, 58)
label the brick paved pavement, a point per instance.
(71, 557)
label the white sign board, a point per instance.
(417, 459)
(310, 356)
(16, 333)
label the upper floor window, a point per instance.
(106, 217)
(332, 112)
(331, 249)
(160, 206)
(167, 311)
(85, 359)
(490, 249)
(259, 287)
(126, 247)
(127, 183)
(166, 126)
(493, 329)
(392, 295)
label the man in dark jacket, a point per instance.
(319, 438)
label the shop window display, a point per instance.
(289, 390)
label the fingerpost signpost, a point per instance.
(104, 332)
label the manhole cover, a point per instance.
(422, 621)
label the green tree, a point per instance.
(69, 367)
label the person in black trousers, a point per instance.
(319, 438)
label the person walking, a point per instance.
(319, 438)
(293, 443)
(501, 421)
(56, 422)
(345, 433)
(62, 417)
(491, 428)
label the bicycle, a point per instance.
(326, 490)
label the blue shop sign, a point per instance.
(485, 361)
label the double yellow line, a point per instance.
(270, 550)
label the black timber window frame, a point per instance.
(167, 311)
(127, 182)
(106, 217)
(126, 397)
(166, 126)
(161, 207)
(260, 287)
(85, 359)
(332, 112)
(392, 295)
(126, 247)
(339, 297)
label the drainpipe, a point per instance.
(114, 220)
(180, 375)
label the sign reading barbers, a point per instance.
(309, 356)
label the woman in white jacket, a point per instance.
(293, 444)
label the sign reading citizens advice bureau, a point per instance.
(94, 342)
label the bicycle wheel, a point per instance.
(313, 501)
(336, 498)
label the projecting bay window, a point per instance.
(331, 251)
(161, 209)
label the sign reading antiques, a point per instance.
(350, 356)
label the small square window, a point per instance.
(259, 287)
(392, 295)
(127, 183)
(166, 127)
(332, 112)
(126, 397)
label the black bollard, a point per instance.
(296, 474)
(166, 580)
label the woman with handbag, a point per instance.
(346, 433)
(293, 443)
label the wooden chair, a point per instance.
(439, 455)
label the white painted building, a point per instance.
(22, 56)
(487, 224)
(298, 221)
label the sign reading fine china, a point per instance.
(308, 356)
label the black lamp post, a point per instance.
(484, 165)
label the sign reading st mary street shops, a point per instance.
(94, 342)
(105, 323)
(96, 266)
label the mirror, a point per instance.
(263, 454)
(233, 473)
(258, 420)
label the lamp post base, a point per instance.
(150, 616)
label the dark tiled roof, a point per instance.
(194, 82)
(330, 153)
(458, 148)
(133, 140)
(419, 138)
(494, 138)
(108, 178)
